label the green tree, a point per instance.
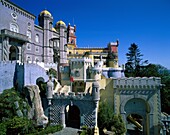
(154, 70)
(107, 119)
(134, 63)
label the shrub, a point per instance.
(87, 131)
(3, 129)
(107, 119)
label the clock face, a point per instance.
(77, 73)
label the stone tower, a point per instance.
(71, 37)
(61, 28)
(46, 22)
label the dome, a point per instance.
(45, 12)
(53, 29)
(61, 23)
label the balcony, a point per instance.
(14, 35)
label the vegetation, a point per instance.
(53, 72)
(7, 106)
(11, 124)
(87, 131)
(135, 64)
(107, 119)
(136, 67)
(23, 126)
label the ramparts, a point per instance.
(20, 74)
(137, 83)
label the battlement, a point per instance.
(78, 60)
(72, 95)
(5, 63)
(137, 83)
(46, 66)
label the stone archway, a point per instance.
(13, 53)
(136, 112)
(72, 116)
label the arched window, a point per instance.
(14, 27)
(28, 46)
(37, 38)
(28, 58)
(29, 34)
(13, 53)
(50, 25)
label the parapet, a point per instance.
(137, 83)
(85, 59)
(72, 95)
(46, 66)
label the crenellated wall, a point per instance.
(7, 71)
(137, 83)
(140, 96)
(19, 74)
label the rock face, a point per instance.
(36, 112)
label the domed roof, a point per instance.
(53, 29)
(45, 12)
(61, 23)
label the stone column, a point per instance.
(151, 124)
(62, 117)
(96, 129)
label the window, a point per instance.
(28, 46)
(29, 25)
(50, 25)
(36, 59)
(14, 16)
(37, 38)
(28, 58)
(37, 49)
(29, 34)
(14, 27)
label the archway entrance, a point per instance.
(136, 117)
(13, 53)
(72, 114)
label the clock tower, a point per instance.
(71, 37)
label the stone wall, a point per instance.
(84, 102)
(19, 74)
(7, 71)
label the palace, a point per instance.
(85, 76)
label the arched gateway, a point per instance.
(138, 101)
(74, 110)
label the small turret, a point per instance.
(95, 91)
(50, 87)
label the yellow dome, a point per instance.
(45, 12)
(61, 23)
(53, 29)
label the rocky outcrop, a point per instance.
(36, 112)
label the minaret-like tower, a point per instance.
(71, 37)
(46, 22)
(61, 28)
(112, 60)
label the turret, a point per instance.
(50, 87)
(95, 91)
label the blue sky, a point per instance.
(144, 22)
